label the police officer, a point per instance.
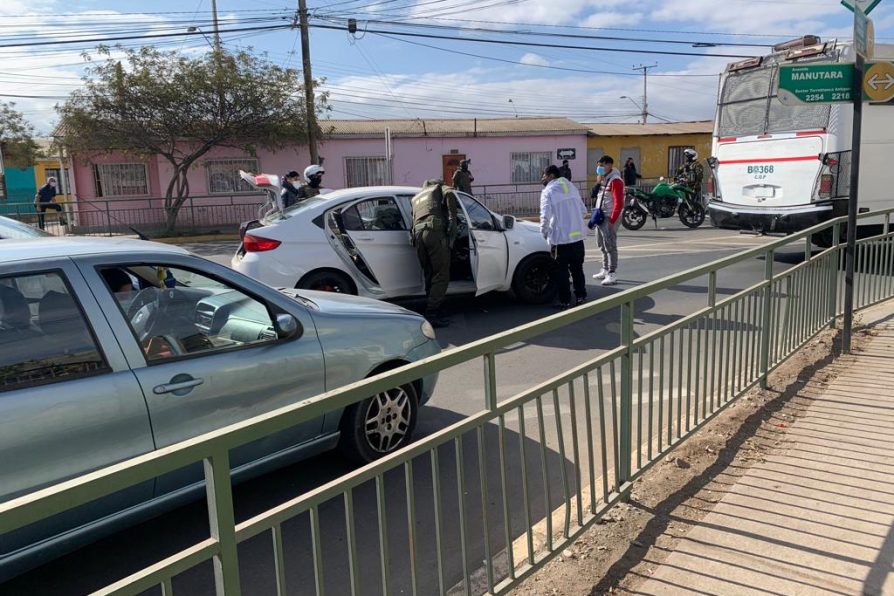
(693, 171)
(314, 176)
(463, 178)
(434, 230)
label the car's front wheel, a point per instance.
(380, 424)
(327, 281)
(533, 281)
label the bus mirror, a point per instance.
(807, 40)
(805, 52)
(749, 63)
(712, 162)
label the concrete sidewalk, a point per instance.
(816, 514)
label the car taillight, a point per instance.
(709, 186)
(825, 189)
(258, 244)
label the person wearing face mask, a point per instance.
(290, 189)
(562, 225)
(611, 201)
(43, 201)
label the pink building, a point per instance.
(112, 188)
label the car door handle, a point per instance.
(365, 238)
(177, 386)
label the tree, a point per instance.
(180, 107)
(16, 137)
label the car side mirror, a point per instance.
(508, 222)
(287, 326)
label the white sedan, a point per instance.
(357, 241)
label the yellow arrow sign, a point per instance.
(878, 81)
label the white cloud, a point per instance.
(613, 19)
(534, 59)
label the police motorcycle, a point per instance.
(665, 200)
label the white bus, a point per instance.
(784, 168)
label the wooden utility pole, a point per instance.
(309, 101)
(645, 70)
(216, 26)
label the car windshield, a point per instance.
(16, 230)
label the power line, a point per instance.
(564, 35)
(537, 44)
(133, 38)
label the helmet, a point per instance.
(690, 154)
(313, 170)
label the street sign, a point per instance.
(567, 153)
(815, 83)
(864, 34)
(864, 6)
(878, 81)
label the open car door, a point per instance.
(379, 240)
(488, 247)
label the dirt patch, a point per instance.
(623, 549)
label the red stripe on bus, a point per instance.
(727, 140)
(769, 160)
(810, 133)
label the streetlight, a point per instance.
(513, 107)
(633, 101)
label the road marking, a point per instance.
(692, 241)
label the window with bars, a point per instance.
(121, 179)
(528, 167)
(366, 171)
(222, 175)
(676, 158)
(54, 173)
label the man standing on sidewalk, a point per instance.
(611, 200)
(562, 225)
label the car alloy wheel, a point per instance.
(388, 417)
(380, 424)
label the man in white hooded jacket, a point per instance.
(562, 225)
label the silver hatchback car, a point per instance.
(110, 349)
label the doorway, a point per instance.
(450, 165)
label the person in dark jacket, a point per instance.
(565, 170)
(290, 189)
(43, 201)
(631, 176)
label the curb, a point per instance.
(191, 239)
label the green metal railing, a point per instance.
(515, 483)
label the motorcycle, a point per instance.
(665, 200)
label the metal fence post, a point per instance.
(625, 446)
(835, 257)
(765, 327)
(490, 381)
(108, 221)
(222, 521)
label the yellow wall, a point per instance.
(40, 177)
(653, 150)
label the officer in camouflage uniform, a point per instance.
(434, 230)
(463, 178)
(693, 171)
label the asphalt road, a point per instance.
(646, 255)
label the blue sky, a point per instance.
(373, 76)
